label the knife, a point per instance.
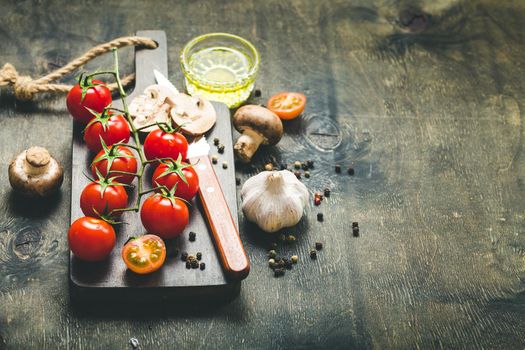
(226, 235)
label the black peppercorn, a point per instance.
(313, 254)
(310, 163)
(297, 174)
(281, 263)
(188, 265)
(194, 264)
(202, 266)
(192, 236)
(214, 159)
(220, 149)
(351, 171)
(338, 169)
(184, 256)
(326, 192)
(216, 141)
(288, 264)
(307, 174)
(237, 181)
(320, 217)
(283, 166)
(257, 93)
(355, 231)
(318, 245)
(278, 272)
(272, 254)
(304, 166)
(199, 256)
(355, 224)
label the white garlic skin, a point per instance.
(274, 199)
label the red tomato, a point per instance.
(112, 128)
(97, 97)
(287, 105)
(161, 144)
(170, 174)
(118, 158)
(164, 216)
(91, 239)
(145, 254)
(101, 197)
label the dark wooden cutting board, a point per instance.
(110, 281)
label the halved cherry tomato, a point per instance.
(145, 254)
(162, 144)
(112, 128)
(287, 105)
(90, 93)
(164, 215)
(91, 239)
(177, 173)
(119, 158)
(103, 197)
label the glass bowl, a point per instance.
(220, 67)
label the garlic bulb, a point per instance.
(274, 199)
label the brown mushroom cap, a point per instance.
(261, 120)
(35, 173)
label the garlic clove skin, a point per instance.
(274, 200)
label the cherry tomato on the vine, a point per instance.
(119, 158)
(112, 128)
(162, 144)
(144, 254)
(287, 105)
(164, 215)
(91, 239)
(90, 93)
(177, 173)
(101, 197)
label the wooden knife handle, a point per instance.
(231, 251)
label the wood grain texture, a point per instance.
(428, 111)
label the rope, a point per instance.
(25, 88)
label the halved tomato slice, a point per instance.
(144, 254)
(287, 105)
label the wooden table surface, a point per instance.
(424, 99)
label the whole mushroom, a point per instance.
(258, 125)
(35, 173)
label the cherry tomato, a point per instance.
(287, 105)
(161, 144)
(119, 158)
(102, 197)
(145, 254)
(96, 97)
(111, 127)
(91, 239)
(164, 216)
(170, 174)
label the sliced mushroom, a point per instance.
(195, 115)
(35, 173)
(150, 107)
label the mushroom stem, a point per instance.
(247, 144)
(36, 161)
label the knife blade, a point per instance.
(162, 80)
(225, 233)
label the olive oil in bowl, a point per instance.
(220, 67)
